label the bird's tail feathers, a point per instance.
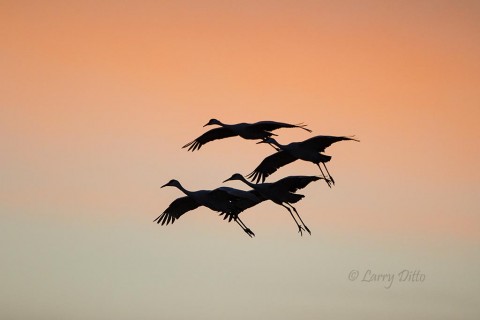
(325, 158)
(296, 197)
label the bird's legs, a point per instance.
(274, 147)
(306, 228)
(329, 175)
(325, 178)
(244, 227)
(300, 228)
(247, 229)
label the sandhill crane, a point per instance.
(241, 201)
(250, 131)
(308, 150)
(228, 201)
(282, 192)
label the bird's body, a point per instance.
(281, 192)
(276, 193)
(240, 200)
(302, 152)
(228, 201)
(250, 131)
(247, 131)
(308, 150)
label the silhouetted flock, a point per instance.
(230, 202)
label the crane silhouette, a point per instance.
(227, 201)
(241, 201)
(250, 131)
(308, 150)
(282, 192)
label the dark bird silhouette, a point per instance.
(308, 150)
(250, 131)
(241, 201)
(282, 192)
(228, 201)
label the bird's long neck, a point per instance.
(276, 143)
(181, 188)
(222, 124)
(248, 183)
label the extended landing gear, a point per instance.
(328, 180)
(302, 227)
(244, 227)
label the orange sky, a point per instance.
(98, 98)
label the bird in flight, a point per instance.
(308, 150)
(282, 192)
(249, 131)
(227, 201)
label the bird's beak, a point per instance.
(226, 180)
(164, 185)
(206, 124)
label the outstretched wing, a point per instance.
(214, 134)
(294, 183)
(240, 194)
(246, 203)
(269, 165)
(320, 143)
(273, 125)
(176, 209)
(221, 201)
(241, 199)
(230, 201)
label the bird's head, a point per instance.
(213, 121)
(236, 176)
(171, 183)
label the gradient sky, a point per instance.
(97, 98)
